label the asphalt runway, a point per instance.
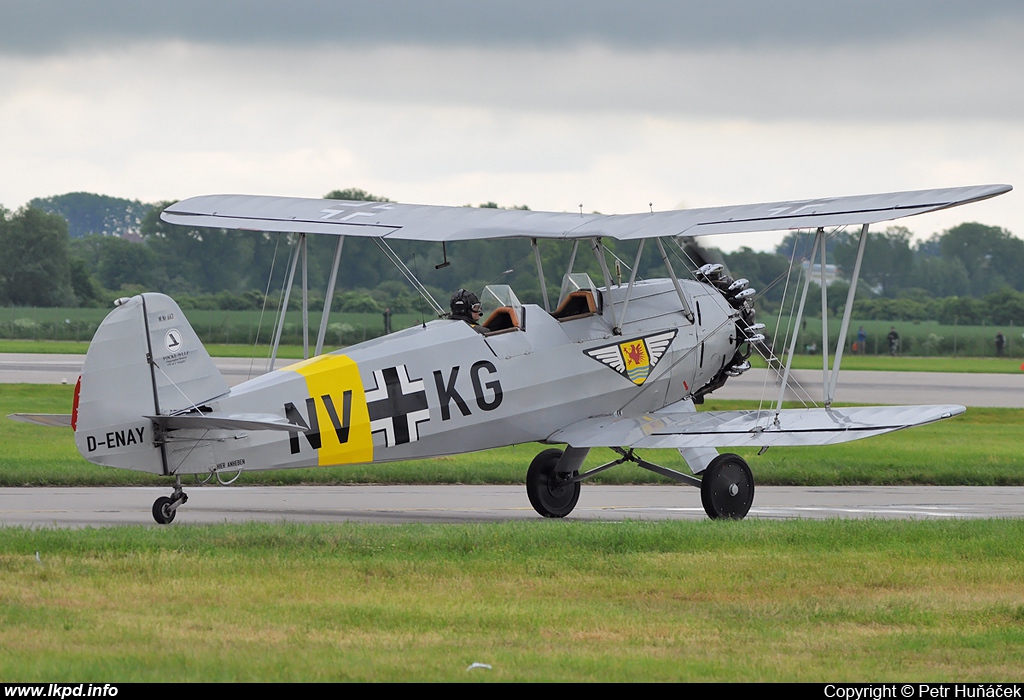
(32, 368)
(102, 507)
(991, 390)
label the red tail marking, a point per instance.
(74, 406)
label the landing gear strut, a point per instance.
(552, 494)
(164, 508)
(727, 488)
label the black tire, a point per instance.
(162, 512)
(550, 495)
(727, 488)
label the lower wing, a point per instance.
(765, 428)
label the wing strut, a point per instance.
(572, 255)
(598, 248)
(675, 280)
(824, 324)
(846, 317)
(540, 274)
(329, 298)
(819, 236)
(305, 298)
(632, 280)
(829, 378)
(284, 308)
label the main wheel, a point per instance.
(162, 512)
(727, 488)
(550, 493)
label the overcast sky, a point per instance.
(550, 104)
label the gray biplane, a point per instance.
(609, 365)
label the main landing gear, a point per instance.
(553, 494)
(164, 508)
(726, 486)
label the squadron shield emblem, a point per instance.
(634, 359)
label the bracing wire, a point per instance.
(408, 274)
(266, 295)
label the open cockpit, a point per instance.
(579, 298)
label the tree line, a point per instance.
(85, 250)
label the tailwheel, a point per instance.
(164, 508)
(551, 493)
(727, 488)
(162, 511)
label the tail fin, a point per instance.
(144, 360)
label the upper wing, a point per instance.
(433, 223)
(793, 426)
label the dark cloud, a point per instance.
(48, 26)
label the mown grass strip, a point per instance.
(694, 601)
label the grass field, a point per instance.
(918, 338)
(713, 601)
(884, 363)
(981, 447)
(538, 601)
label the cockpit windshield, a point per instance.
(578, 297)
(497, 295)
(575, 282)
(502, 308)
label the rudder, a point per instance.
(144, 360)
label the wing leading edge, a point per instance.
(436, 223)
(792, 427)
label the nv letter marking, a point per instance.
(312, 429)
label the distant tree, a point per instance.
(86, 289)
(887, 262)
(802, 241)
(992, 256)
(34, 267)
(88, 213)
(122, 262)
(940, 277)
(1005, 306)
(354, 194)
(766, 271)
(197, 260)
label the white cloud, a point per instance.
(610, 128)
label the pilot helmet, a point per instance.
(463, 302)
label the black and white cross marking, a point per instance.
(397, 405)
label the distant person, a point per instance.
(862, 341)
(1000, 343)
(387, 320)
(894, 341)
(466, 307)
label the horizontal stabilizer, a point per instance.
(417, 222)
(51, 420)
(789, 427)
(226, 421)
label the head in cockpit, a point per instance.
(466, 307)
